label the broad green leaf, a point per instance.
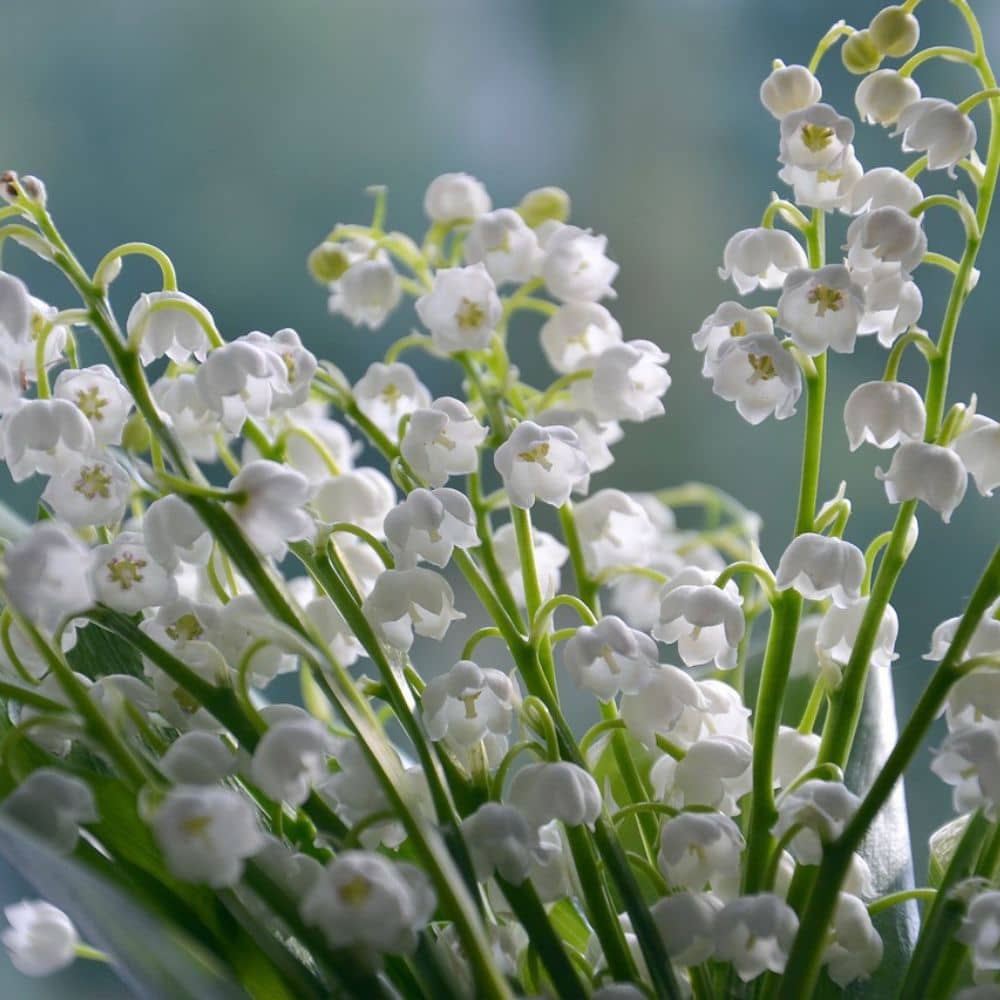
(98, 653)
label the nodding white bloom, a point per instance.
(46, 577)
(614, 530)
(609, 657)
(575, 266)
(330, 623)
(429, 524)
(627, 382)
(705, 621)
(301, 453)
(88, 490)
(299, 365)
(42, 435)
(822, 308)
(462, 309)
(40, 938)
(181, 621)
(577, 332)
(271, 511)
(882, 187)
(714, 772)
(16, 310)
(926, 472)
(697, 847)
(364, 899)
(828, 188)
(456, 197)
(883, 414)
(543, 463)
(755, 933)
(442, 440)
(886, 235)
(856, 949)
(980, 930)
(821, 810)
(404, 601)
(725, 713)
(127, 578)
(815, 138)
(290, 758)
(818, 567)
(241, 379)
(794, 754)
(174, 533)
(936, 127)
(174, 702)
(985, 639)
(756, 373)
(198, 758)
(206, 833)
(969, 759)
(686, 923)
(730, 320)
(168, 328)
(761, 257)
(10, 389)
(975, 696)
(367, 291)
(362, 496)
(978, 446)
(660, 705)
(387, 393)
(505, 244)
(550, 556)
(183, 408)
(501, 839)
(594, 437)
(101, 398)
(52, 805)
(882, 96)
(241, 624)
(788, 89)
(563, 791)
(893, 303)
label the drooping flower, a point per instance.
(576, 332)
(714, 772)
(969, 760)
(614, 530)
(886, 235)
(174, 533)
(52, 805)
(88, 489)
(290, 758)
(661, 704)
(501, 839)
(430, 524)
(927, 472)
(882, 187)
(198, 758)
(686, 923)
(43, 435)
(404, 601)
(818, 566)
(815, 138)
(462, 309)
(820, 810)
(442, 440)
(455, 198)
(755, 933)
(609, 657)
(270, 511)
(883, 414)
(575, 267)
(696, 848)
(761, 257)
(241, 379)
(505, 244)
(627, 382)
(882, 96)
(40, 938)
(362, 497)
(560, 790)
(936, 127)
(368, 291)
(978, 446)
(167, 324)
(788, 89)
(386, 393)
(543, 463)
(856, 949)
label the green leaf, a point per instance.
(942, 845)
(98, 653)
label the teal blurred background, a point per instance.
(235, 133)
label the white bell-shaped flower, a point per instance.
(442, 440)
(609, 657)
(127, 578)
(614, 530)
(52, 805)
(818, 567)
(241, 624)
(456, 198)
(725, 713)
(291, 757)
(363, 899)
(181, 621)
(686, 923)
(88, 490)
(974, 697)
(100, 397)
(15, 310)
(404, 601)
(980, 930)
(978, 446)
(240, 380)
(368, 291)
(826, 189)
(40, 939)
(299, 366)
(386, 393)
(505, 244)
(541, 463)
(822, 308)
(206, 833)
(331, 625)
(166, 329)
(883, 414)
(627, 382)
(821, 810)
(755, 933)
(756, 373)
(936, 127)
(593, 436)
(893, 303)
(882, 96)
(714, 772)
(788, 89)
(926, 472)
(550, 557)
(21, 355)
(815, 138)
(730, 320)
(886, 235)
(698, 847)
(761, 257)
(184, 409)
(500, 839)
(270, 512)
(462, 309)
(429, 524)
(969, 760)
(883, 187)
(575, 267)
(198, 758)
(362, 497)
(576, 332)
(174, 533)
(985, 639)
(548, 791)
(794, 754)
(10, 388)
(856, 949)
(661, 704)
(42, 435)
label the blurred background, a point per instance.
(236, 133)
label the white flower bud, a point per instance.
(42, 435)
(550, 556)
(500, 838)
(936, 127)
(575, 266)
(882, 187)
(40, 940)
(886, 235)
(821, 810)
(198, 758)
(822, 308)
(368, 291)
(756, 373)
(543, 463)
(15, 309)
(291, 758)
(576, 332)
(815, 138)
(429, 524)
(52, 805)
(241, 379)
(882, 96)
(925, 472)
(969, 759)
(627, 382)
(100, 397)
(686, 922)
(978, 446)
(362, 496)
(761, 257)
(818, 567)
(668, 695)
(856, 949)
(404, 601)
(884, 413)
(442, 440)
(127, 578)
(714, 772)
(166, 329)
(271, 511)
(609, 657)
(697, 847)
(755, 933)
(174, 533)
(462, 309)
(386, 393)
(560, 790)
(730, 320)
(788, 89)
(456, 197)
(505, 244)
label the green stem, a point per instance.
(144, 249)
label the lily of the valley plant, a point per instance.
(215, 513)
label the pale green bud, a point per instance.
(135, 436)
(860, 53)
(328, 262)
(544, 204)
(895, 31)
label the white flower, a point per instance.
(975, 696)
(456, 197)
(331, 625)
(544, 463)
(127, 578)
(367, 291)
(362, 496)
(15, 310)
(755, 933)
(181, 621)
(794, 754)
(52, 805)
(576, 332)
(697, 847)
(560, 790)
(550, 556)
(505, 244)
(167, 329)
(985, 639)
(893, 303)
(41, 435)
(609, 657)
(730, 320)
(828, 188)
(594, 438)
(724, 714)
(761, 257)
(614, 530)
(242, 623)
(442, 440)
(969, 759)
(386, 393)
(41, 939)
(925, 472)
(198, 758)
(10, 389)
(756, 373)
(100, 397)
(821, 810)
(936, 127)
(884, 186)
(822, 308)
(978, 446)
(88, 490)
(815, 138)
(886, 235)
(668, 695)
(462, 309)
(364, 899)
(788, 89)
(705, 621)
(500, 838)
(184, 409)
(882, 96)
(714, 772)
(291, 758)
(206, 833)
(980, 930)
(856, 949)
(818, 566)
(241, 379)
(686, 922)
(575, 266)
(627, 382)
(301, 453)
(270, 512)
(174, 533)
(429, 524)
(174, 703)
(404, 601)
(884, 413)
(298, 363)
